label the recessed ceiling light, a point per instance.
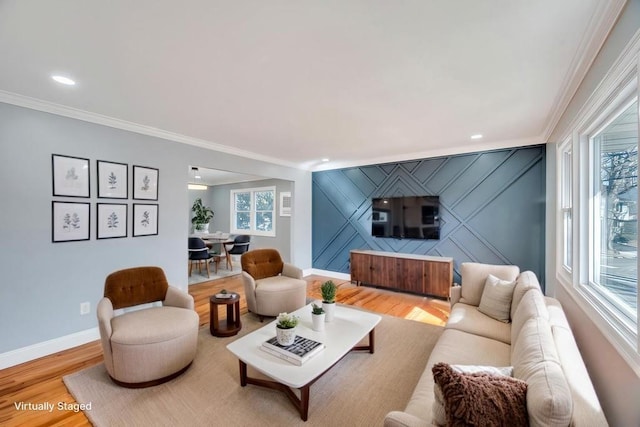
(64, 80)
(326, 159)
(476, 136)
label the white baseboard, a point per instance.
(45, 348)
(333, 274)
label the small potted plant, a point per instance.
(317, 316)
(286, 328)
(202, 216)
(328, 290)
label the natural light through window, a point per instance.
(253, 211)
(614, 215)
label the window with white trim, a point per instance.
(566, 182)
(613, 216)
(253, 211)
(597, 206)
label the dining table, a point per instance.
(212, 239)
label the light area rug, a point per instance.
(358, 391)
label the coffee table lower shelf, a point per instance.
(301, 403)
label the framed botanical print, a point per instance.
(113, 180)
(145, 183)
(70, 176)
(112, 220)
(70, 221)
(145, 220)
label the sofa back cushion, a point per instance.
(535, 360)
(532, 305)
(474, 276)
(526, 281)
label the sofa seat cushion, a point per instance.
(450, 348)
(467, 318)
(278, 284)
(153, 325)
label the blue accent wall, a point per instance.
(492, 208)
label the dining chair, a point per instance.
(199, 252)
(238, 246)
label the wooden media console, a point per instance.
(419, 274)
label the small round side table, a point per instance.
(229, 327)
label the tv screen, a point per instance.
(409, 217)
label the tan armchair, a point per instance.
(152, 345)
(271, 286)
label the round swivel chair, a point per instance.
(271, 286)
(152, 345)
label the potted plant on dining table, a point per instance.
(202, 216)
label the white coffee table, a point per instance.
(340, 336)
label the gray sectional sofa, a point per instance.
(534, 343)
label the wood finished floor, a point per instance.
(40, 381)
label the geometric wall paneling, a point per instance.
(491, 208)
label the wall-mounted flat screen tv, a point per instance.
(409, 217)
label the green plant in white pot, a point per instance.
(202, 216)
(317, 317)
(286, 328)
(329, 290)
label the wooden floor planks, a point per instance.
(40, 380)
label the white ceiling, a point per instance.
(292, 82)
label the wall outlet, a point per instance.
(85, 307)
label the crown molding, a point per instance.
(438, 152)
(620, 74)
(74, 113)
(596, 33)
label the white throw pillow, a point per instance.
(496, 298)
(438, 412)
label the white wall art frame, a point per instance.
(112, 220)
(70, 221)
(145, 183)
(145, 220)
(113, 180)
(70, 176)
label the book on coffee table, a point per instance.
(297, 353)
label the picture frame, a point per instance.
(145, 219)
(145, 183)
(113, 180)
(112, 220)
(70, 221)
(70, 176)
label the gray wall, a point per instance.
(43, 283)
(616, 383)
(492, 207)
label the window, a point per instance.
(597, 206)
(566, 181)
(253, 211)
(613, 217)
